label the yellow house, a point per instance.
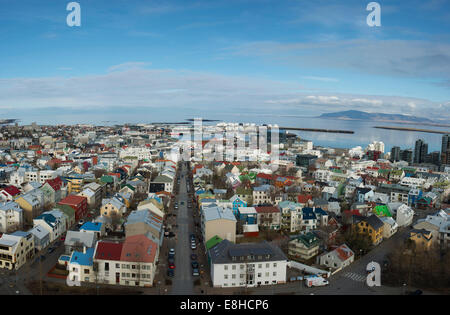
(370, 226)
(75, 185)
(32, 205)
(16, 249)
(112, 208)
(422, 239)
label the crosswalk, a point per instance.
(355, 277)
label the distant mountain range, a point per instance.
(359, 115)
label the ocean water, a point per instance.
(364, 131)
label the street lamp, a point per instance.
(404, 288)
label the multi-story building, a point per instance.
(246, 265)
(304, 246)
(11, 217)
(16, 249)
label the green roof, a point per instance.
(68, 210)
(243, 191)
(213, 241)
(107, 179)
(308, 239)
(382, 211)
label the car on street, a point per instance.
(193, 257)
(194, 265)
(171, 260)
(51, 250)
(195, 272)
(192, 237)
(193, 246)
(172, 251)
(170, 272)
(417, 292)
(171, 265)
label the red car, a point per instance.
(171, 265)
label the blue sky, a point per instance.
(138, 59)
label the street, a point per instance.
(183, 281)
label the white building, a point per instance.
(404, 215)
(247, 265)
(337, 259)
(11, 217)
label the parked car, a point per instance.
(194, 264)
(195, 272)
(172, 251)
(193, 246)
(171, 260)
(193, 257)
(172, 265)
(170, 272)
(417, 292)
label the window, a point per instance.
(225, 276)
(233, 267)
(274, 265)
(274, 273)
(118, 266)
(225, 267)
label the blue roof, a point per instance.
(92, 226)
(49, 218)
(20, 233)
(83, 259)
(308, 214)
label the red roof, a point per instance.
(108, 251)
(72, 200)
(344, 252)
(267, 209)
(304, 198)
(12, 190)
(265, 176)
(55, 183)
(139, 248)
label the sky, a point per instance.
(144, 61)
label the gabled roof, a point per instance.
(108, 251)
(56, 183)
(12, 190)
(139, 248)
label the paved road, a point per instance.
(14, 282)
(183, 282)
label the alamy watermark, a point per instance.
(374, 277)
(227, 143)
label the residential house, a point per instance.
(390, 227)
(78, 241)
(262, 195)
(218, 221)
(16, 249)
(32, 204)
(113, 208)
(269, 217)
(78, 203)
(304, 247)
(97, 228)
(246, 265)
(370, 226)
(11, 217)
(41, 237)
(338, 258)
